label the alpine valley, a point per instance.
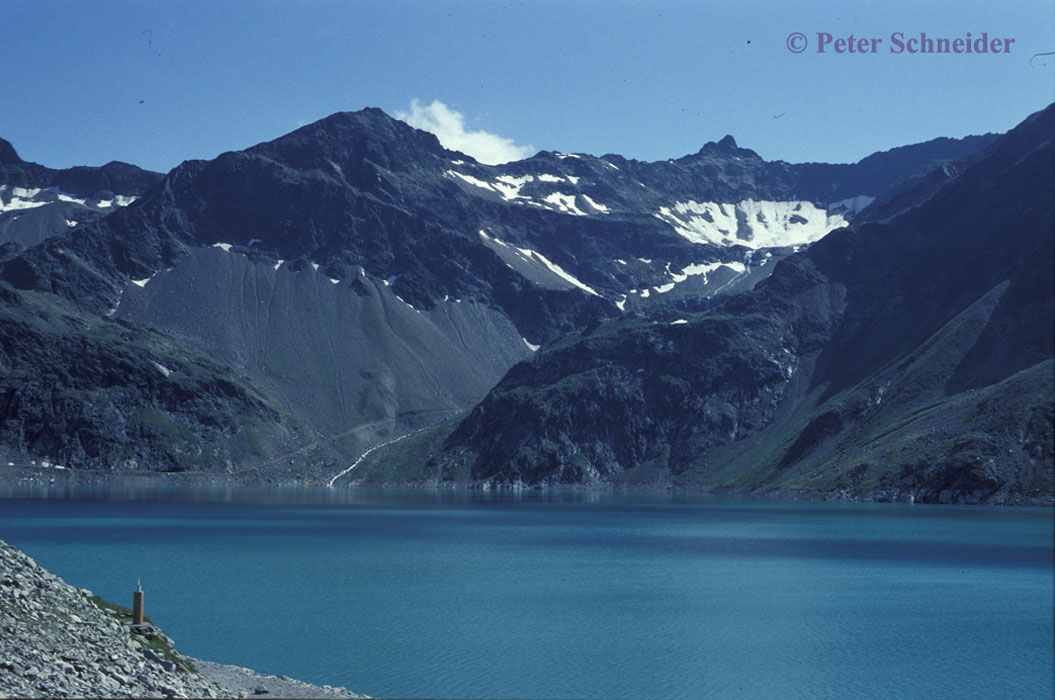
(352, 303)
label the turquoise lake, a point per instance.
(412, 594)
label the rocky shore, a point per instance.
(58, 641)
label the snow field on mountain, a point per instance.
(535, 258)
(15, 198)
(751, 223)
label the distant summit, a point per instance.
(725, 149)
(37, 202)
(80, 181)
(344, 138)
(8, 153)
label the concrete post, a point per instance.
(137, 605)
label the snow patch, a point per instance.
(407, 303)
(557, 270)
(529, 254)
(471, 180)
(68, 198)
(19, 198)
(162, 368)
(599, 207)
(750, 223)
(531, 346)
(225, 247)
(851, 206)
(279, 264)
(679, 322)
(704, 270)
(509, 186)
(564, 202)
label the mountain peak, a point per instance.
(726, 147)
(8, 153)
(366, 121)
(369, 133)
(367, 115)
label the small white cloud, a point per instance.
(449, 128)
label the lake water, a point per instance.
(457, 595)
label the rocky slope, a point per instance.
(58, 642)
(910, 359)
(100, 394)
(357, 281)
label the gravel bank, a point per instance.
(244, 682)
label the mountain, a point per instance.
(37, 202)
(349, 282)
(907, 359)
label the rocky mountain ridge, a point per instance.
(277, 311)
(887, 361)
(37, 202)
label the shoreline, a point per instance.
(243, 682)
(36, 476)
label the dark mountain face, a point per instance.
(362, 281)
(909, 359)
(873, 173)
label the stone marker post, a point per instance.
(137, 604)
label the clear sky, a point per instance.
(158, 82)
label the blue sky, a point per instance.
(155, 83)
